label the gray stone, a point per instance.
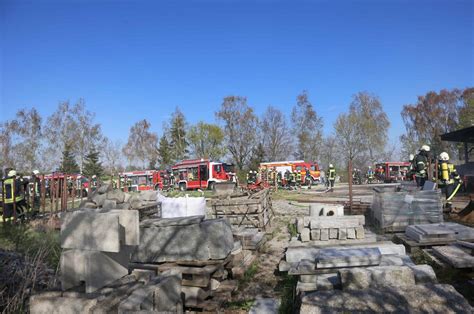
(326, 282)
(127, 197)
(360, 232)
(333, 233)
(284, 266)
(331, 210)
(379, 276)
(335, 258)
(193, 295)
(143, 275)
(169, 222)
(407, 299)
(424, 274)
(104, 188)
(306, 221)
(299, 225)
(90, 231)
(315, 234)
(218, 237)
(116, 195)
(454, 256)
(149, 196)
(167, 296)
(305, 266)
(139, 299)
(265, 306)
(351, 234)
(46, 304)
(462, 232)
(109, 204)
(324, 234)
(306, 287)
(305, 235)
(342, 234)
(308, 278)
(99, 199)
(123, 206)
(430, 233)
(337, 221)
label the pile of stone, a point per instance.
(327, 224)
(146, 202)
(393, 209)
(203, 251)
(439, 233)
(253, 211)
(250, 238)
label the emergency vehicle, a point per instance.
(392, 171)
(142, 180)
(202, 174)
(294, 166)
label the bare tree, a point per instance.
(112, 153)
(307, 127)
(350, 135)
(142, 144)
(329, 154)
(277, 139)
(6, 159)
(240, 126)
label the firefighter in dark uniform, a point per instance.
(13, 197)
(448, 178)
(287, 177)
(421, 165)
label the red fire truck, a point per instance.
(392, 171)
(295, 166)
(202, 174)
(143, 180)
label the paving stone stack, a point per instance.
(137, 292)
(146, 202)
(393, 209)
(204, 252)
(457, 255)
(327, 224)
(97, 246)
(253, 211)
(440, 232)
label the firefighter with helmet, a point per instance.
(412, 167)
(13, 197)
(331, 173)
(370, 175)
(421, 165)
(448, 178)
(298, 177)
(251, 177)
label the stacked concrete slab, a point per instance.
(204, 252)
(327, 224)
(97, 247)
(393, 209)
(456, 255)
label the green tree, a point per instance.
(68, 163)
(177, 133)
(307, 127)
(240, 127)
(466, 111)
(206, 141)
(164, 153)
(92, 165)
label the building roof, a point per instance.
(465, 135)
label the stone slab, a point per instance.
(117, 195)
(424, 274)
(325, 282)
(265, 306)
(308, 278)
(351, 233)
(408, 299)
(324, 234)
(109, 204)
(299, 224)
(454, 256)
(305, 235)
(130, 221)
(336, 258)
(315, 234)
(342, 234)
(360, 232)
(218, 236)
(193, 295)
(306, 287)
(337, 221)
(318, 209)
(45, 304)
(333, 233)
(169, 222)
(90, 231)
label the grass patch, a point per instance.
(249, 274)
(292, 230)
(240, 305)
(287, 288)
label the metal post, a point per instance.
(52, 191)
(65, 192)
(3, 199)
(74, 191)
(350, 186)
(56, 206)
(43, 194)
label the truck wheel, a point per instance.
(212, 186)
(182, 187)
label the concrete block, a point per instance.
(90, 231)
(324, 234)
(299, 225)
(455, 256)
(305, 235)
(308, 278)
(170, 222)
(316, 210)
(360, 232)
(337, 221)
(351, 234)
(424, 274)
(378, 276)
(336, 258)
(46, 304)
(167, 296)
(109, 204)
(315, 234)
(305, 287)
(139, 299)
(306, 221)
(342, 234)
(333, 233)
(130, 222)
(218, 236)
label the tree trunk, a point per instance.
(349, 170)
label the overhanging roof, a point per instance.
(465, 135)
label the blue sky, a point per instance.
(131, 60)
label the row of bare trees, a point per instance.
(239, 135)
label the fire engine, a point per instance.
(143, 180)
(295, 166)
(202, 174)
(392, 171)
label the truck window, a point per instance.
(313, 168)
(203, 172)
(217, 168)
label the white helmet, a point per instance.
(36, 172)
(444, 156)
(330, 166)
(12, 173)
(370, 167)
(425, 148)
(411, 157)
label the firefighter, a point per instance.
(448, 178)
(421, 165)
(370, 175)
(13, 197)
(411, 170)
(293, 178)
(308, 178)
(251, 177)
(279, 178)
(331, 173)
(298, 177)
(287, 177)
(34, 188)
